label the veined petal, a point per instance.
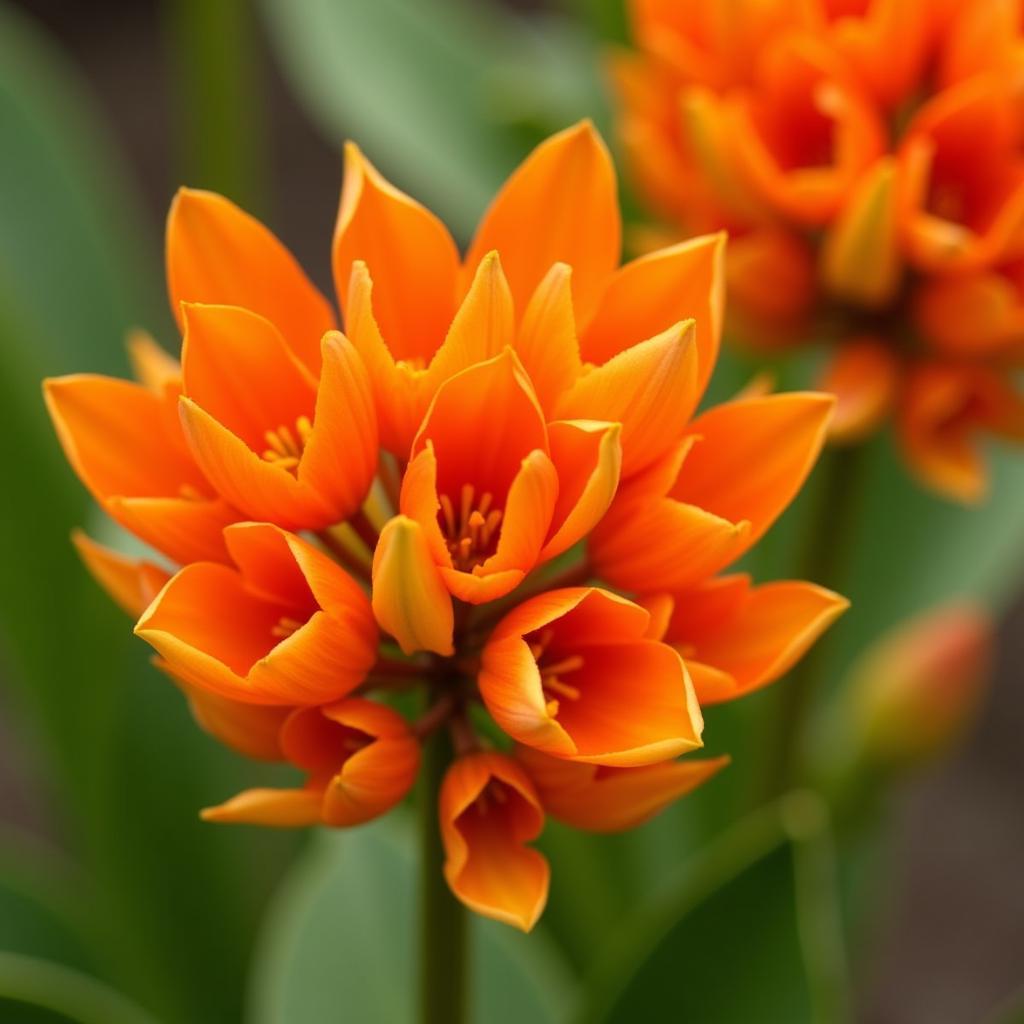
(683, 282)
(410, 255)
(184, 529)
(488, 812)
(766, 634)
(483, 327)
(754, 456)
(560, 205)
(649, 388)
(131, 582)
(598, 799)
(665, 545)
(547, 342)
(395, 386)
(218, 254)
(409, 599)
(588, 459)
(570, 673)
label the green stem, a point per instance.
(829, 537)
(442, 917)
(214, 61)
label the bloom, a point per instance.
(865, 159)
(490, 488)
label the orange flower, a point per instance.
(490, 433)
(867, 160)
(287, 626)
(360, 759)
(572, 673)
(489, 811)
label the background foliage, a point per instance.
(131, 911)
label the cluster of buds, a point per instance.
(867, 158)
(441, 499)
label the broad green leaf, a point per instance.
(69, 995)
(745, 930)
(340, 938)
(447, 95)
(168, 915)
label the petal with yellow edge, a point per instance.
(683, 282)
(114, 433)
(559, 206)
(131, 582)
(650, 388)
(489, 811)
(288, 626)
(220, 255)
(571, 673)
(409, 254)
(278, 444)
(410, 600)
(752, 635)
(599, 799)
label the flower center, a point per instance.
(471, 530)
(492, 793)
(551, 672)
(286, 445)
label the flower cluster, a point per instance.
(430, 501)
(867, 158)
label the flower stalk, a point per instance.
(443, 932)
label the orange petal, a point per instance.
(274, 808)
(570, 674)
(410, 255)
(218, 254)
(649, 388)
(547, 342)
(227, 631)
(598, 799)
(864, 377)
(770, 630)
(683, 282)
(409, 598)
(483, 326)
(588, 459)
(861, 259)
(488, 812)
(395, 386)
(560, 205)
(335, 470)
(131, 582)
(356, 785)
(754, 457)
(114, 434)
(690, 544)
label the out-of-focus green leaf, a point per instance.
(67, 994)
(746, 930)
(342, 932)
(446, 94)
(169, 915)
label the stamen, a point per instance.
(471, 528)
(564, 689)
(285, 626)
(552, 685)
(285, 445)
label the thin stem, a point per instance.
(829, 537)
(442, 917)
(366, 531)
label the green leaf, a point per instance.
(341, 933)
(447, 95)
(66, 993)
(746, 930)
(161, 905)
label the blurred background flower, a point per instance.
(105, 871)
